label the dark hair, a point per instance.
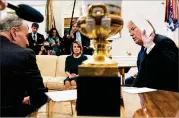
(73, 23)
(50, 33)
(79, 45)
(35, 25)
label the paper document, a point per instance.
(139, 90)
(62, 95)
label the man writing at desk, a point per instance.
(158, 65)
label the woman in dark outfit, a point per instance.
(72, 62)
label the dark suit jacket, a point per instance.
(159, 68)
(19, 76)
(40, 40)
(68, 42)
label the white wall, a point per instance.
(154, 10)
(63, 9)
(37, 4)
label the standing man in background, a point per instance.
(20, 75)
(36, 39)
(76, 35)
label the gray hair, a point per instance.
(10, 21)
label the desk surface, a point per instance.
(151, 104)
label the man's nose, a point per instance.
(131, 34)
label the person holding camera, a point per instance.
(45, 49)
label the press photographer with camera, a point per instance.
(45, 49)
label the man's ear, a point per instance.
(13, 32)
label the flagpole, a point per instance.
(72, 17)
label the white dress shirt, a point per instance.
(78, 37)
(150, 48)
(35, 37)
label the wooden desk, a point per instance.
(121, 68)
(151, 104)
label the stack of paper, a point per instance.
(139, 90)
(62, 95)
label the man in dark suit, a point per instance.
(20, 75)
(76, 35)
(158, 67)
(35, 39)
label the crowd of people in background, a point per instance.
(54, 44)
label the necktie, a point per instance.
(34, 36)
(141, 56)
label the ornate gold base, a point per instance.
(98, 70)
(103, 66)
(100, 61)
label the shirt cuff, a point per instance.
(150, 48)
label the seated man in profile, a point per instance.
(20, 75)
(157, 59)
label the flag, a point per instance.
(172, 20)
(50, 21)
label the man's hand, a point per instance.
(42, 48)
(134, 76)
(69, 36)
(46, 43)
(26, 100)
(147, 41)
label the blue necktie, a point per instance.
(141, 56)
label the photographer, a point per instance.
(44, 50)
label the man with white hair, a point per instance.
(157, 60)
(20, 75)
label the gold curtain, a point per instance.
(50, 21)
